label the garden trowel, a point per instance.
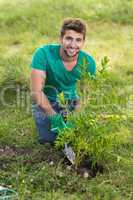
(68, 151)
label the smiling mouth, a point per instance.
(72, 50)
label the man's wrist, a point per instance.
(53, 116)
(51, 112)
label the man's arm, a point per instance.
(37, 83)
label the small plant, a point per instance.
(96, 130)
(94, 136)
(104, 64)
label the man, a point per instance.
(55, 69)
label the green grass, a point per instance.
(25, 165)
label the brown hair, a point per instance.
(75, 24)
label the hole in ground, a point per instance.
(86, 167)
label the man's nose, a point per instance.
(73, 43)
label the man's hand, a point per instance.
(57, 122)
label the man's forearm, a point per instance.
(42, 100)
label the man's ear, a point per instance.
(83, 43)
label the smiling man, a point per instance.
(55, 69)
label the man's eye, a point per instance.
(68, 38)
(78, 40)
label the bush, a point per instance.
(97, 127)
(94, 135)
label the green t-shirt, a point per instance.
(58, 78)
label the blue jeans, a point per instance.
(45, 135)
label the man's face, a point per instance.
(72, 42)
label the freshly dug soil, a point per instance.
(86, 168)
(9, 154)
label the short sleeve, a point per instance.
(91, 66)
(39, 60)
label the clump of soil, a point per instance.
(86, 168)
